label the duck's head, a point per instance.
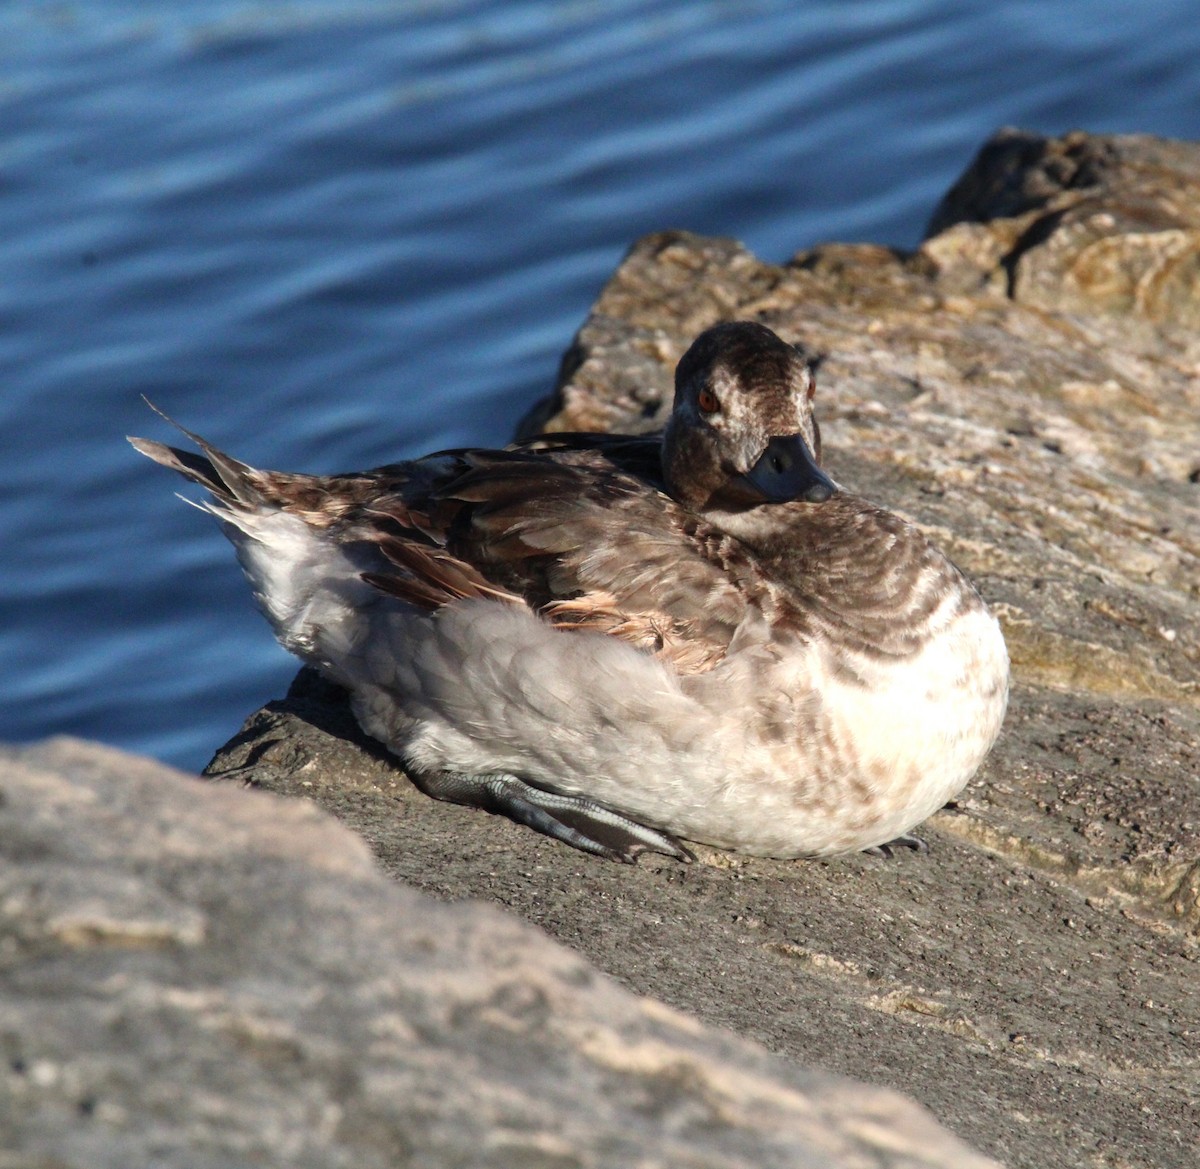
(742, 431)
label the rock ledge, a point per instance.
(200, 977)
(1025, 386)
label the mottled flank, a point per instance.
(624, 642)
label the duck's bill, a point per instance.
(786, 471)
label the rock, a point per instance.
(1083, 224)
(1025, 387)
(196, 976)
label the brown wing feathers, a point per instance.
(527, 520)
(564, 530)
(431, 577)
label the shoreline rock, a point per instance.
(194, 975)
(1025, 386)
(200, 977)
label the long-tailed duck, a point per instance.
(630, 642)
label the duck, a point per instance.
(631, 643)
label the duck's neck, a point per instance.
(837, 548)
(690, 465)
(772, 530)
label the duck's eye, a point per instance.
(707, 401)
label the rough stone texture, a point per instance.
(1025, 387)
(200, 977)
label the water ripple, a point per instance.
(331, 233)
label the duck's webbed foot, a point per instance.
(887, 851)
(579, 822)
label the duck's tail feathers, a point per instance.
(303, 579)
(233, 483)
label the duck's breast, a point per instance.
(911, 731)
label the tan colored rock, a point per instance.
(1084, 224)
(196, 976)
(1026, 387)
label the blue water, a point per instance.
(332, 234)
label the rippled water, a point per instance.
(331, 234)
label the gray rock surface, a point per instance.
(1026, 387)
(193, 976)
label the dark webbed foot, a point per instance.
(579, 822)
(887, 851)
